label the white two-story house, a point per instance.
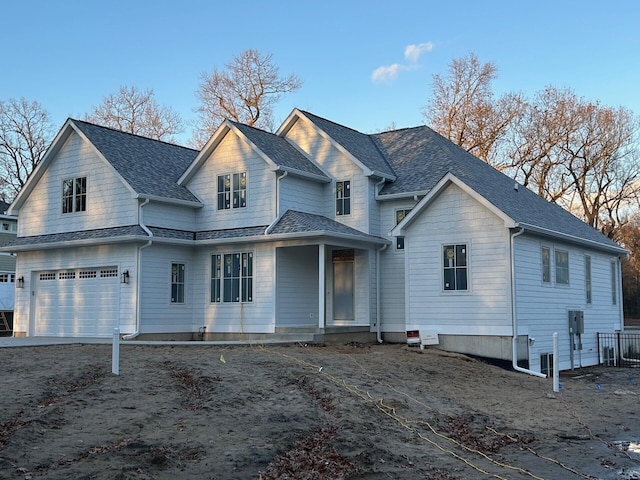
(316, 229)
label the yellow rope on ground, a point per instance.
(406, 423)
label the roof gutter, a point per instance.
(139, 272)
(514, 315)
(573, 239)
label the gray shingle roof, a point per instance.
(300, 222)
(151, 167)
(102, 233)
(279, 150)
(360, 145)
(421, 157)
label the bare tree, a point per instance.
(462, 108)
(245, 92)
(25, 133)
(136, 111)
(579, 154)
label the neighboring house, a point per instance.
(317, 228)
(8, 231)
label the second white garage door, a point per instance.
(76, 302)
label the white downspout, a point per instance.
(514, 316)
(138, 273)
(378, 299)
(273, 224)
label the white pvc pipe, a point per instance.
(556, 363)
(115, 352)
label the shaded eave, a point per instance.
(536, 230)
(297, 114)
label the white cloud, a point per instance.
(386, 73)
(414, 52)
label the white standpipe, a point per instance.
(556, 363)
(115, 352)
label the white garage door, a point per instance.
(77, 302)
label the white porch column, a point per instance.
(321, 285)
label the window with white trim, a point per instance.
(232, 277)
(177, 282)
(546, 264)
(455, 267)
(587, 279)
(400, 214)
(343, 197)
(232, 191)
(74, 195)
(562, 267)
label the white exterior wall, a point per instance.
(158, 314)
(456, 218)
(392, 267)
(340, 168)
(257, 316)
(234, 156)
(124, 256)
(542, 308)
(109, 202)
(157, 214)
(304, 195)
(297, 290)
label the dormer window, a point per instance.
(232, 191)
(343, 197)
(74, 195)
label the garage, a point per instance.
(76, 302)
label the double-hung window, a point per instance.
(587, 278)
(232, 277)
(614, 284)
(455, 267)
(74, 195)
(546, 265)
(232, 191)
(562, 267)
(177, 282)
(343, 197)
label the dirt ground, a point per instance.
(307, 412)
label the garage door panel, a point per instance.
(82, 302)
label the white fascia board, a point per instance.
(204, 153)
(87, 242)
(172, 201)
(528, 228)
(444, 182)
(400, 196)
(300, 173)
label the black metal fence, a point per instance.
(620, 349)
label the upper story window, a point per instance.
(614, 284)
(546, 265)
(400, 214)
(74, 195)
(177, 282)
(455, 267)
(232, 191)
(343, 197)
(562, 267)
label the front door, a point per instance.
(343, 285)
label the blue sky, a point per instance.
(365, 64)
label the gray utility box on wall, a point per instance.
(576, 322)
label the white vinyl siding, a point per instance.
(304, 195)
(542, 311)
(340, 167)
(234, 155)
(453, 219)
(110, 203)
(297, 289)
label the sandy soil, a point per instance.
(307, 412)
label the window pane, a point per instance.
(449, 256)
(449, 279)
(347, 207)
(562, 267)
(461, 255)
(461, 278)
(546, 265)
(227, 293)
